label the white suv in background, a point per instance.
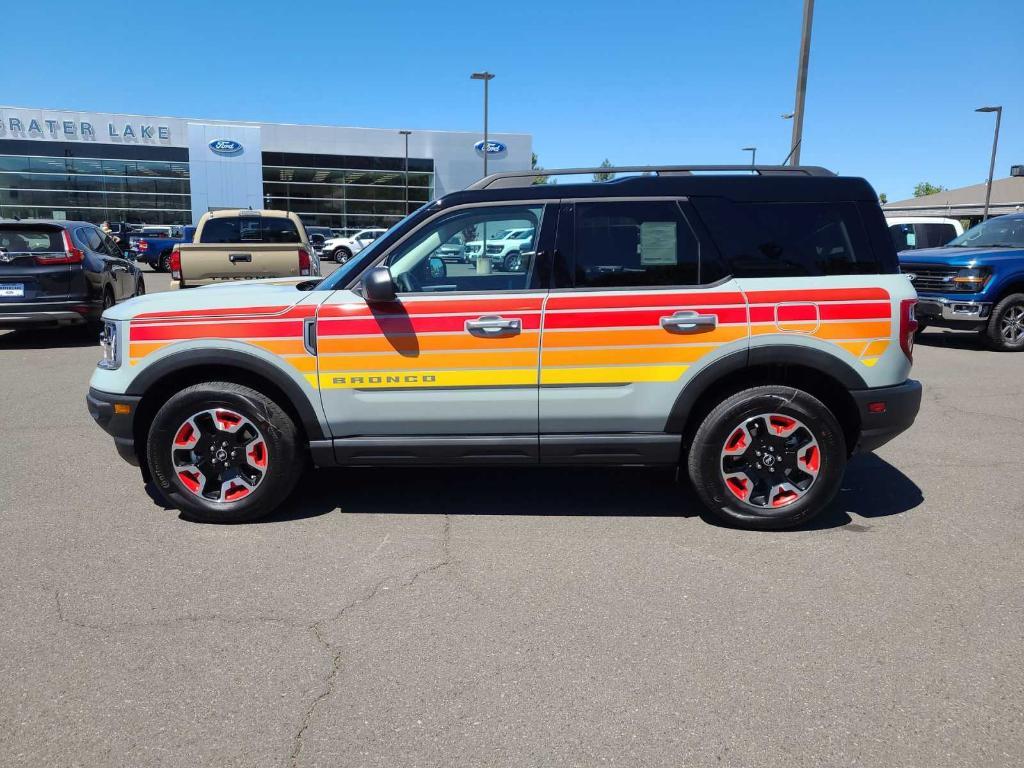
(505, 249)
(341, 249)
(910, 233)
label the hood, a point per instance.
(274, 293)
(961, 257)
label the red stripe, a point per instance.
(644, 299)
(215, 312)
(640, 318)
(807, 312)
(818, 294)
(291, 328)
(395, 324)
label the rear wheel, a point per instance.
(514, 262)
(768, 457)
(341, 255)
(140, 285)
(165, 263)
(223, 453)
(1005, 330)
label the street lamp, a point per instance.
(801, 81)
(753, 155)
(486, 77)
(406, 135)
(992, 162)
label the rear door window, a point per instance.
(790, 239)
(934, 235)
(903, 236)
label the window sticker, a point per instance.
(658, 243)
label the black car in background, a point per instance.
(61, 273)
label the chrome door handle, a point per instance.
(493, 325)
(689, 321)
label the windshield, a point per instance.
(1000, 232)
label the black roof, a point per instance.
(742, 187)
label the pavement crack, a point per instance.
(330, 680)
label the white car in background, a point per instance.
(505, 248)
(912, 232)
(341, 249)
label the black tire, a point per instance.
(705, 461)
(165, 263)
(108, 299)
(284, 459)
(341, 255)
(513, 262)
(1005, 331)
(921, 328)
(140, 285)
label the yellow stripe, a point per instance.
(612, 375)
(510, 377)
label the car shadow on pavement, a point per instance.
(51, 338)
(872, 488)
(972, 342)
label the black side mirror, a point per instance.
(379, 286)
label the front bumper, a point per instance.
(878, 426)
(935, 310)
(47, 313)
(118, 424)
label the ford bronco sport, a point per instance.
(749, 325)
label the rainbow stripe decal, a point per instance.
(569, 339)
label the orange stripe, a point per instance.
(629, 337)
(427, 362)
(424, 342)
(850, 330)
(626, 356)
(281, 346)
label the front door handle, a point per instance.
(494, 325)
(688, 321)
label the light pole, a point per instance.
(753, 155)
(992, 162)
(486, 77)
(801, 82)
(406, 135)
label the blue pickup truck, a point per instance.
(975, 282)
(155, 250)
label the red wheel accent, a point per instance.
(782, 498)
(258, 455)
(811, 458)
(185, 435)
(781, 424)
(739, 487)
(737, 441)
(235, 492)
(227, 419)
(190, 480)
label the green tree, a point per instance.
(534, 166)
(927, 188)
(883, 198)
(604, 175)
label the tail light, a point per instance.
(908, 327)
(71, 255)
(175, 264)
(142, 245)
(304, 264)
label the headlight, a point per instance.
(972, 279)
(111, 349)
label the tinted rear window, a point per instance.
(789, 239)
(934, 235)
(23, 240)
(248, 229)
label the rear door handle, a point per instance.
(494, 325)
(688, 321)
(234, 258)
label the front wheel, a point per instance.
(768, 457)
(514, 262)
(223, 453)
(342, 255)
(1005, 330)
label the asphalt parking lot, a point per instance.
(512, 618)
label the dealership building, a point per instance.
(166, 170)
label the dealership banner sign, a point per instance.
(24, 127)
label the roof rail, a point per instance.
(526, 178)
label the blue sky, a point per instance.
(891, 92)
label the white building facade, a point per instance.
(166, 170)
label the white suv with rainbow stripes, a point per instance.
(752, 328)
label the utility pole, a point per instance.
(486, 77)
(406, 135)
(992, 162)
(801, 82)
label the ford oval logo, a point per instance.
(490, 147)
(225, 147)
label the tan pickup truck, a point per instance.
(243, 245)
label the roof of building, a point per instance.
(1007, 197)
